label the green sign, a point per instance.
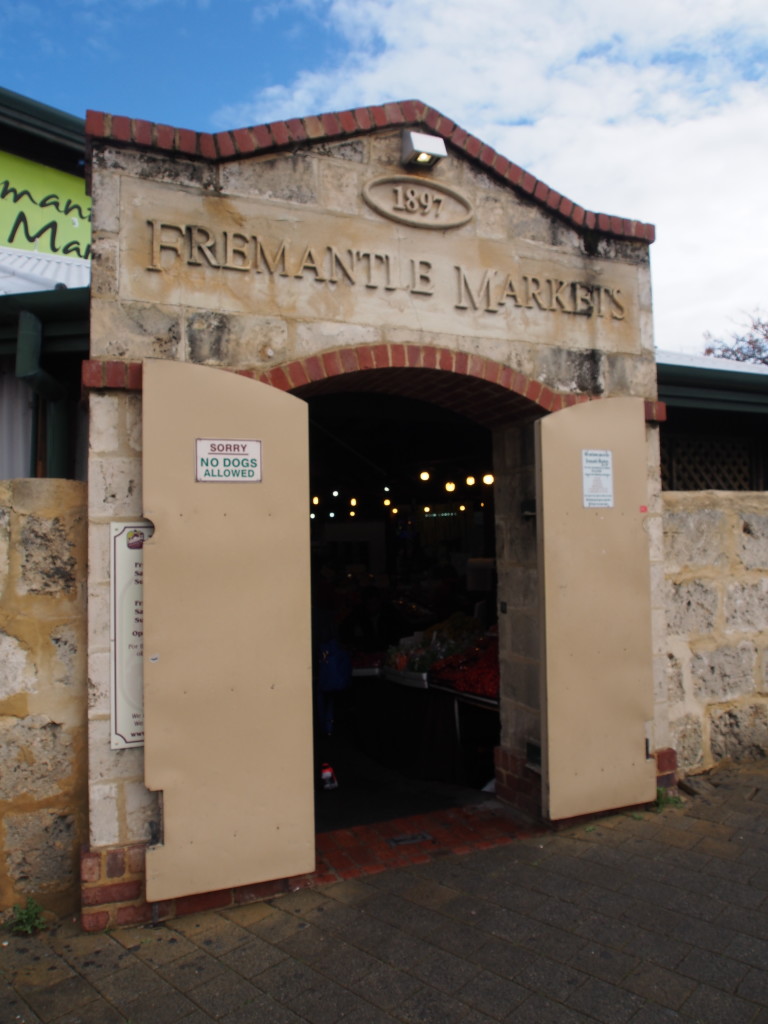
(42, 209)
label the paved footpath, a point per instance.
(646, 918)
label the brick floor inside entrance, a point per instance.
(367, 849)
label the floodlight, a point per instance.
(421, 150)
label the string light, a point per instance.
(335, 494)
(470, 481)
(462, 508)
(315, 500)
(352, 512)
(353, 502)
(387, 502)
(427, 508)
(394, 511)
(424, 475)
(488, 478)
(450, 486)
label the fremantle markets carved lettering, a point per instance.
(488, 290)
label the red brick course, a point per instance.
(517, 784)
(656, 412)
(666, 760)
(97, 373)
(347, 853)
(115, 863)
(120, 892)
(100, 374)
(248, 141)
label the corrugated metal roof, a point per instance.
(32, 118)
(23, 271)
(687, 360)
(706, 382)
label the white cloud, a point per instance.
(657, 111)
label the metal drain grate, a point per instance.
(417, 837)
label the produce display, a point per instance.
(367, 659)
(473, 670)
(418, 653)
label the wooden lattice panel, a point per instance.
(695, 463)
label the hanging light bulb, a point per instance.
(311, 515)
(387, 490)
(488, 478)
(331, 515)
(424, 475)
(450, 485)
(462, 508)
(335, 494)
(315, 500)
(353, 502)
(470, 481)
(394, 511)
(427, 508)
(352, 512)
(387, 502)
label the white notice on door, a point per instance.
(126, 632)
(227, 460)
(597, 477)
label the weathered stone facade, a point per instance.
(294, 275)
(120, 806)
(43, 759)
(716, 581)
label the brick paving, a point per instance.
(633, 918)
(368, 849)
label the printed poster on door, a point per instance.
(597, 478)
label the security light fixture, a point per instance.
(421, 150)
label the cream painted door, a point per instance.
(227, 664)
(597, 700)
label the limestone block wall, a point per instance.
(43, 752)
(661, 739)
(121, 808)
(716, 583)
(519, 617)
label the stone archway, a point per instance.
(506, 403)
(258, 251)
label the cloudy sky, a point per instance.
(655, 110)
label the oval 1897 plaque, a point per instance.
(420, 202)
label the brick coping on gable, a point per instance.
(286, 135)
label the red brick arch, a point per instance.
(480, 388)
(483, 389)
